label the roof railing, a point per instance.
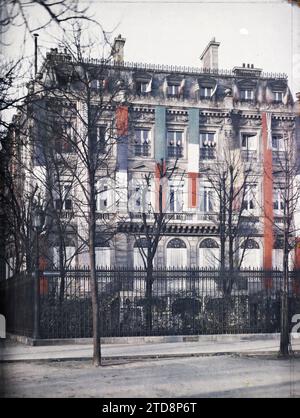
(164, 67)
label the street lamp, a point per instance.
(37, 224)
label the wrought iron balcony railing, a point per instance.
(175, 152)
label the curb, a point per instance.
(154, 356)
(144, 339)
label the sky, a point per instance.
(260, 32)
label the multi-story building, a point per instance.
(191, 118)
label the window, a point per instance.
(175, 144)
(250, 254)
(176, 253)
(139, 196)
(173, 90)
(206, 199)
(64, 201)
(176, 198)
(102, 201)
(209, 253)
(249, 141)
(98, 134)
(247, 94)
(207, 145)
(205, 92)
(142, 139)
(102, 255)
(143, 87)
(249, 197)
(277, 143)
(278, 199)
(278, 96)
(99, 85)
(69, 256)
(95, 84)
(137, 256)
(64, 139)
(277, 253)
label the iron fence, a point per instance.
(182, 302)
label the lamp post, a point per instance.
(37, 223)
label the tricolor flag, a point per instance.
(181, 87)
(149, 86)
(260, 94)
(286, 96)
(235, 92)
(269, 129)
(165, 86)
(269, 95)
(214, 90)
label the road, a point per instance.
(215, 376)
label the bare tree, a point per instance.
(232, 180)
(81, 85)
(286, 202)
(154, 221)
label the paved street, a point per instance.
(218, 376)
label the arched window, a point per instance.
(176, 243)
(250, 254)
(137, 256)
(250, 244)
(209, 253)
(176, 253)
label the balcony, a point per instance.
(278, 158)
(141, 150)
(67, 215)
(249, 155)
(175, 152)
(208, 154)
(104, 216)
(178, 217)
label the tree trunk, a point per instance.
(94, 292)
(62, 273)
(284, 324)
(149, 281)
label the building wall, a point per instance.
(224, 111)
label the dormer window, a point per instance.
(206, 92)
(98, 85)
(143, 86)
(278, 96)
(173, 90)
(247, 94)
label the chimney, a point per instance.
(209, 57)
(118, 49)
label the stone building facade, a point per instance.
(188, 117)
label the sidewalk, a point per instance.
(138, 349)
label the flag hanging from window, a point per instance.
(181, 87)
(269, 130)
(214, 90)
(149, 86)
